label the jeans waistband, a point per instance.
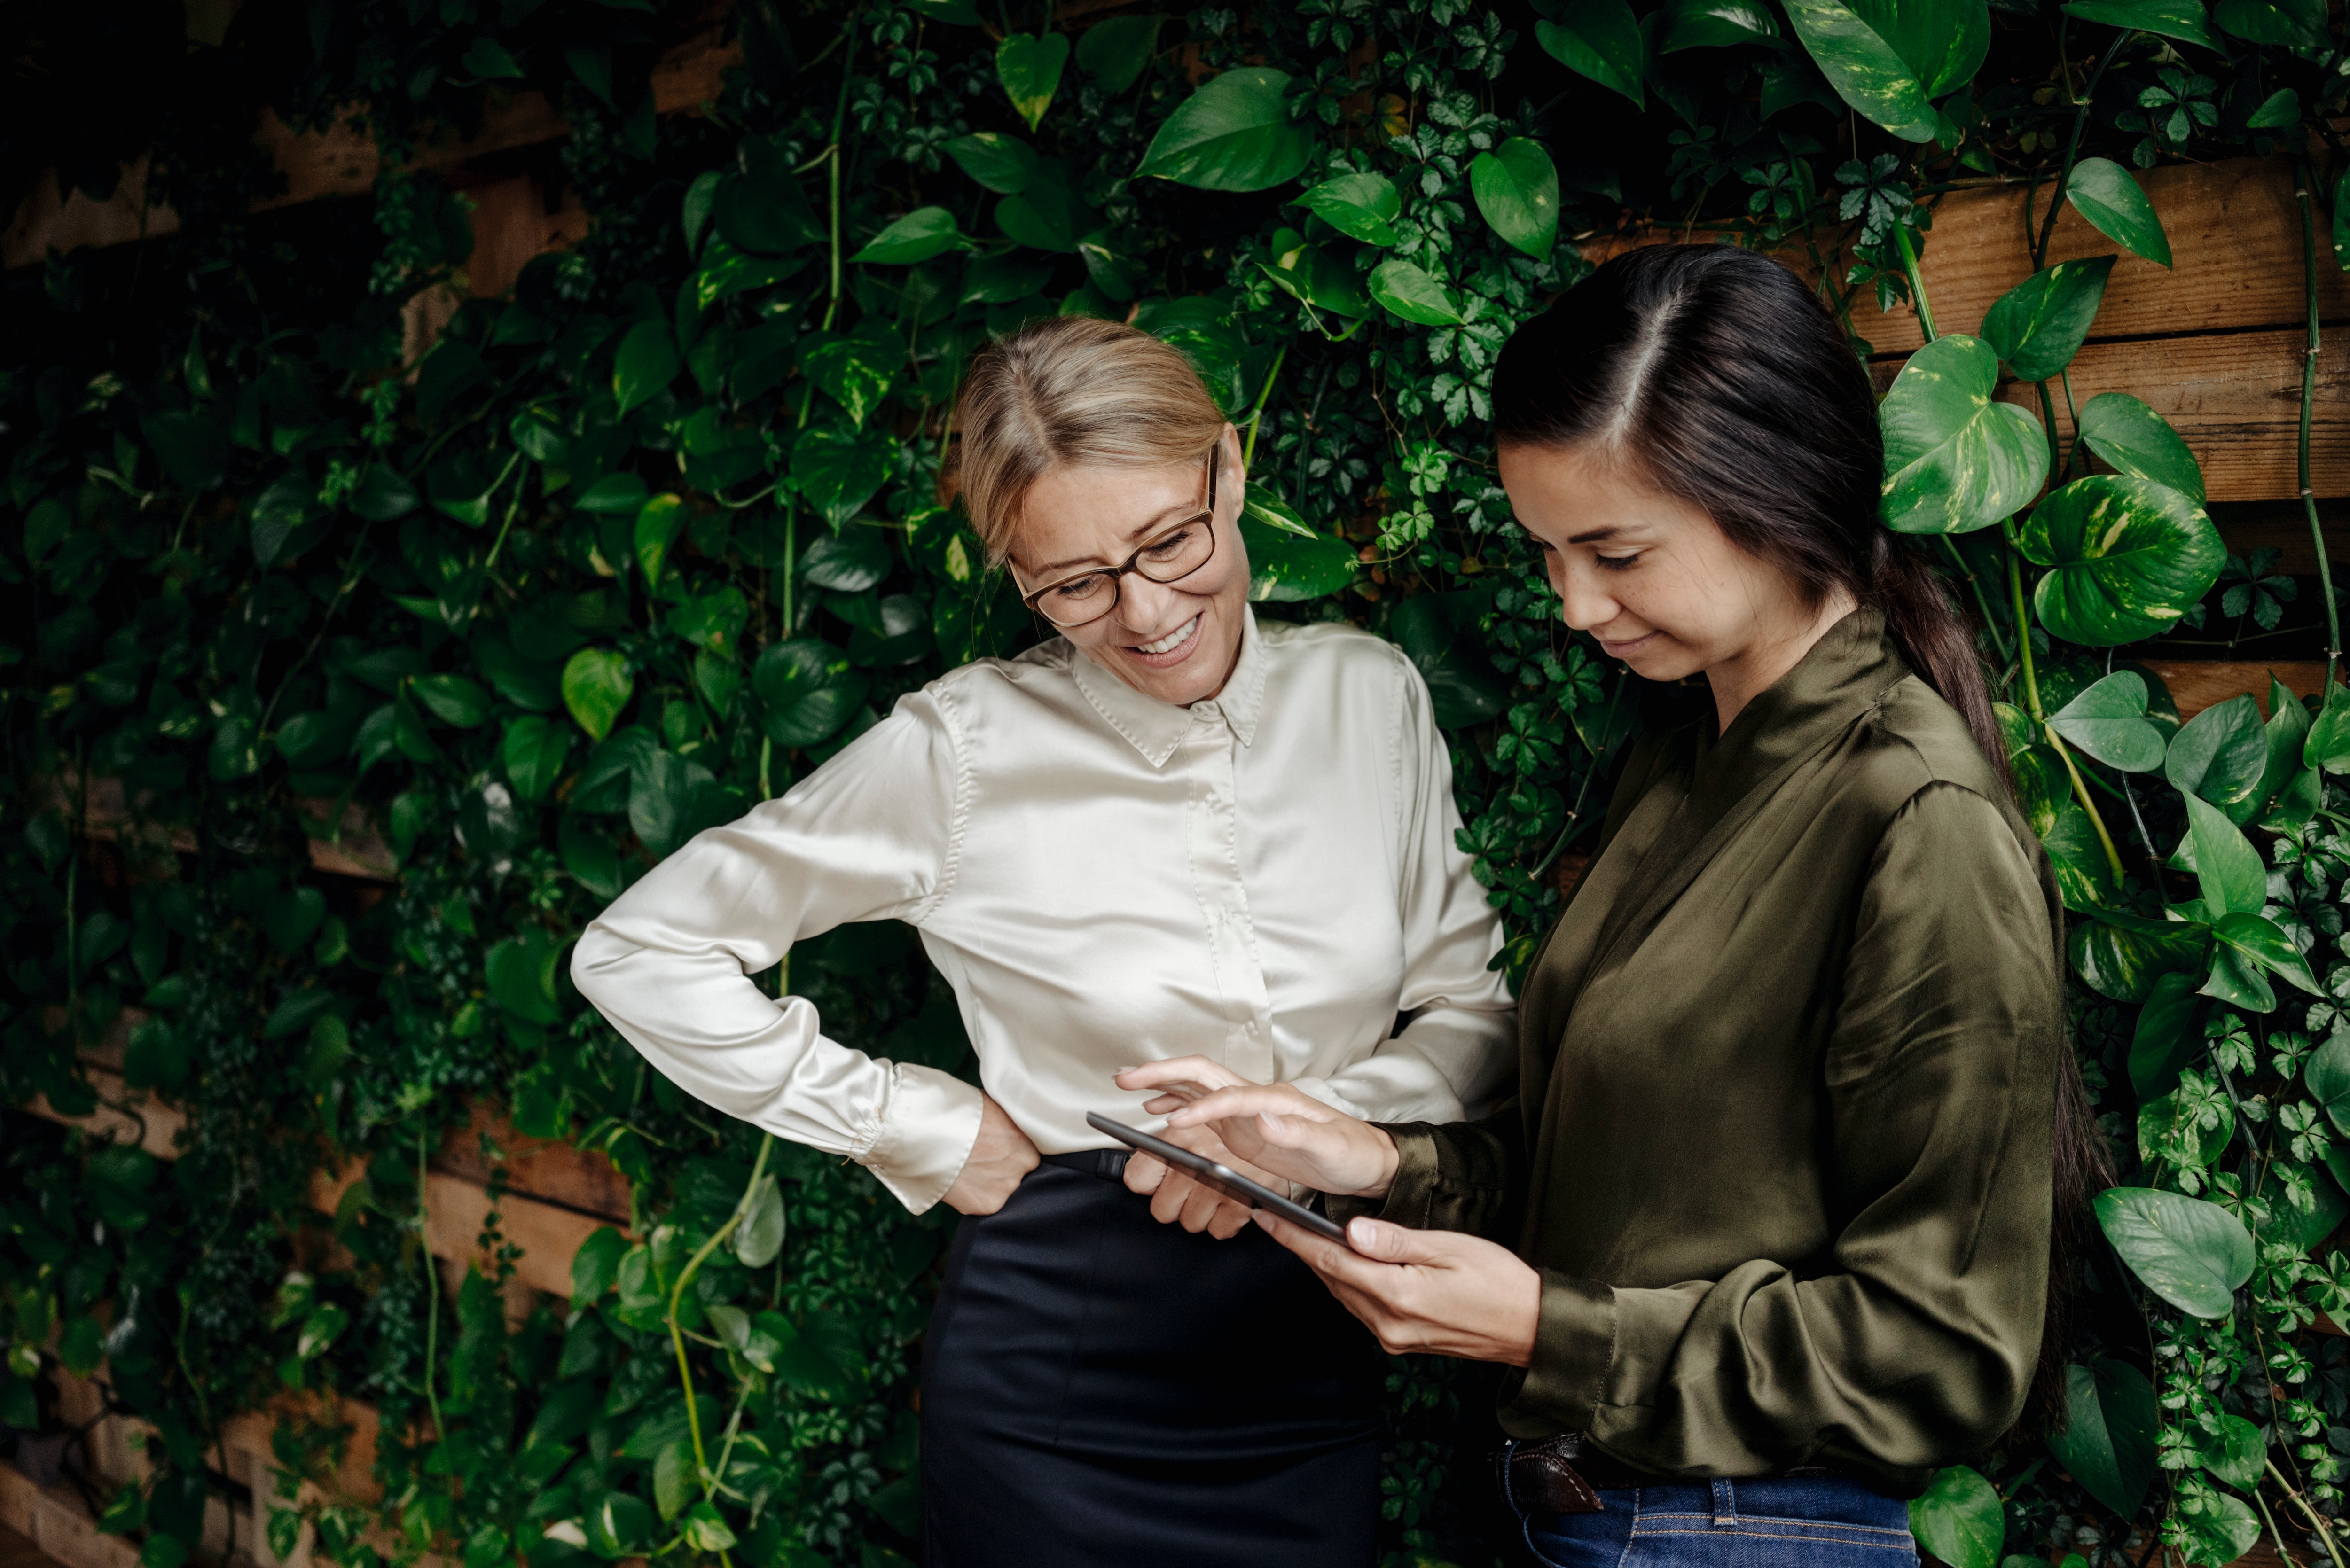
(1110, 1164)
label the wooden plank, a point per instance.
(2284, 526)
(148, 1123)
(338, 161)
(512, 226)
(2197, 684)
(2236, 400)
(537, 1168)
(2235, 245)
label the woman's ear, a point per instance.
(1239, 463)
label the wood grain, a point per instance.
(2196, 684)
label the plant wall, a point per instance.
(649, 540)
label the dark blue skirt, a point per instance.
(1098, 1389)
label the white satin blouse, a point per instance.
(1268, 878)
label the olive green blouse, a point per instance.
(1788, 1078)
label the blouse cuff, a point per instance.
(928, 1130)
(1411, 1196)
(1574, 1345)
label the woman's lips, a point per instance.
(1173, 656)
(1627, 647)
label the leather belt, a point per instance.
(1110, 1164)
(1566, 1475)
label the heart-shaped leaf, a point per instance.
(1115, 50)
(838, 470)
(1310, 274)
(1955, 459)
(193, 449)
(1404, 288)
(521, 972)
(2191, 1253)
(2328, 745)
(1360, 206)
(1030, 69)
(1516, 187)
(1715, 24)
(2180, 19)
(855, 371)
(597, 685)
(659, 522)
(2111, 1426)
(924, 232)
(1960, 1519)
(809, 688)
(1864, 67)
(728, 270)
(2127, 558)
(761, 1235)
(2219, 754)
(2037, 326)
(997, 159)
(1600, 40)
(2168, 1036)
(1233, 134)
(765, 216)
(451, 699)
(2110, 198)
(2136, 439)
(533, 749)
(2290, 23)
(2108, 721)
(2327, 1076)
(648, 362)
(2264, 942)
(2226, 868)
(1283, 566)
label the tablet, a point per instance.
(1221, 1179)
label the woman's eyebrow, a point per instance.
(1594, 535)
(1156, 519)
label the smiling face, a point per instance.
(1174, 642)
(1656, 580)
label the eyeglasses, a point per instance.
(1087, 597)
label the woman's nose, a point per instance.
(1582, 602)
(1143, 606)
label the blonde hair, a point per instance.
(1071, 391)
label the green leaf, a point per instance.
(620, 1525)
(1959, 1518)
(597, 685)
(2280, 110)
(2327, 1078)
(924, 232)
(2191, 1253)
(706, 1530)
(1516, 187)
(1283, 566)
(1600, 40)
(2293, 24)
(2180, 19)
(452, 700)
(1715, 24)
(2108, 720)
(1030, 69)
(2225, 1528)
(2221, 755)
(1005, 277)
(1943, 42)
(1307, 272)
(1360, 206)
(1866, 69)
(2111, 1426)
(292, 918)
(647, 363)
(2109, 197)
(2132, 437)
(533, 749)
(595, 1266)
(1955, 459)
(487, 58)
(848, 563)
(997, 159)
(809, 687)
(613, 495)
(2237, 1453)
(2328, 745)
(1115, 50)
(521, 972)
(854, 371)
(760, 1238)
(839, 470)
(712, 621)
(2226, 868)
(1411, 294)
(2264, 942)
(2129, 558)
(727, 269)
(384, 494)
(2169, 1129)
(2167, 1036)
(1233, 134)
(319, 1330)
(659, 522)
(672, 1475)
(765, 217)
(297, 1012)
(1463, 687)
(1275, 512)
(2037, 326)
(194, 448)
(2125, 957)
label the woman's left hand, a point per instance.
(1426, 1290)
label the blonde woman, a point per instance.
(1169, 830)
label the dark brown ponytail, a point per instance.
(1718, 374)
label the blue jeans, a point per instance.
(1803, 1521)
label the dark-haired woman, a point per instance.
(1797, 1123)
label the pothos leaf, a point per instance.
(1955, 459)
(2129, 558)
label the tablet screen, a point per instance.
(1220, 1178)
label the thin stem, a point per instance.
(2274, 1533)
(2073, 414)
(2055, 438)
(1256, 414)
(1982, 598)
(2316, 1524)
(432, 1290)
(2308, 397)
(1917, 281)
(2072, 151)
(677, 1297)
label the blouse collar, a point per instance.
(1155, 728)
(1847, 669)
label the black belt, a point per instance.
(1110, 1164)
(1566, 1475)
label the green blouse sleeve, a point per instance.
(1915, 1337)
(1453, 1176)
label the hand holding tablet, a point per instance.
(1220, 1178)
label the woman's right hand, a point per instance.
(1000, 1157)
(1277, 1127)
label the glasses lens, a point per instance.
(1080, 599)
(1178, 553)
